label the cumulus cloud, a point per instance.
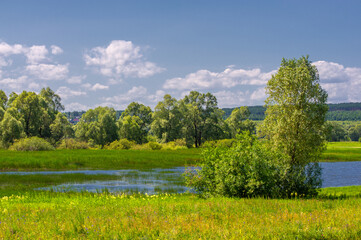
(55, 50)
(205, 79)
(48, 71)
(36, 54)
(99, 86)
(341, 83)
(13, 83)
(121, 59)
(65, 92)
(75, 79)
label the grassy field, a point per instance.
(342, 151)
(96, 159)
(135, 159)
(29, 214)
(48, 215)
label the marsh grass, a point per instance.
(342, 152)
(50, 215)
(96, 159)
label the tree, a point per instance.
(294, 123)
(10, 129)
(335, 132)
(3, 100)
(32, 114)
(61, 128)
(144, 114)
(238, 121)
(97, 125)
(355, 132)
(167, 118)
(202, 119)
(130, 128)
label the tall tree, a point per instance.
(61, 128)
(97, 125)
(3, 99)
(10, 129)
(167, 118)
(295, 118)
(202, 119)
(238, 121)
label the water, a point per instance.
(170, 180)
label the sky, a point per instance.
(111, 53)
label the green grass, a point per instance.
(96, 159)
(135, 159)
(47, 215)
(342, 152)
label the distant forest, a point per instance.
(336, 112)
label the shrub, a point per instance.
(31, 144)
(154, 145)
(121, 144)
(71, 143)
(175, 145)
(249, 169)
(223, 143)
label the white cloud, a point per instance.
(7, 50)
(342, 84)
(230, 98)
(259, 94)
(65, 92)
(157, 97)
(138, 94)
(75, 106)
(48, 71)
(34, 86)
(205, 79)
(99, 86)
(36, 54)
(121, 59)
(55, 50)
(75, 79)
(13, 83)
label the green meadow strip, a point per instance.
(48, 215)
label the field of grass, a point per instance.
(96, 159)
(135, 159)
(49, 215)
(342, 151)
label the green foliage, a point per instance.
(335, 132)
(31, 144)
(177, 144)
(70, 143)
(223, 143)
(246, 169)
(238, 121)
(10, 129)
(202, 118)
(295, 118)
(61, 128)
(97, 126)
(355, 132)
(121, 144)
(155, 145)
(130, 127)
(167, 120)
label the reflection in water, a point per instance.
(171, 180)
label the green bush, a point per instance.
(249, 169)
(175, 145)
(31, 144)
(121, 144)
(154, 145)
(71, 143)
(223, 143)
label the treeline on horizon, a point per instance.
(336, 112)
(187, 122)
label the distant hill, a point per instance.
(336, 112)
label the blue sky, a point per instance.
(110, 53)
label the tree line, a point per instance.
(196, 118)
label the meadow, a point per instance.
(27, 214)
(135, 159)
(49, 215)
